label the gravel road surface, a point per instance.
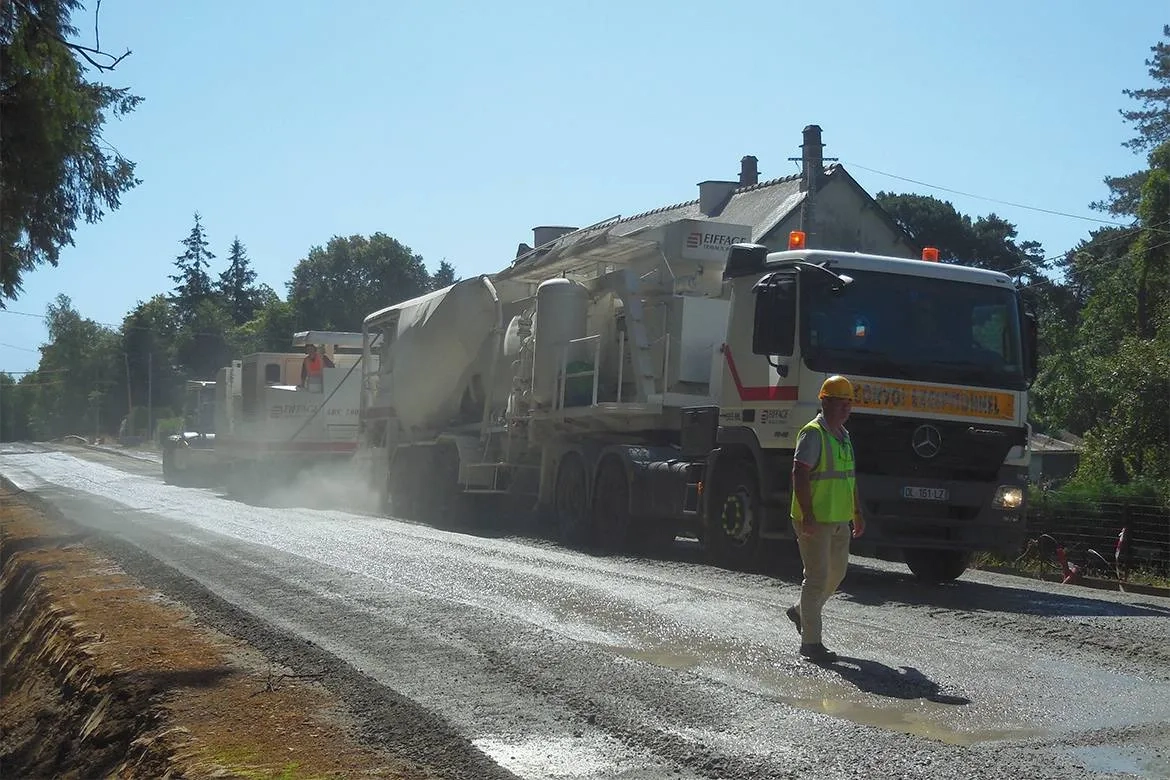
(560, 664)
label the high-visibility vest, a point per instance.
(832, 481)
(314, 364)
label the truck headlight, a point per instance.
(1008, 497)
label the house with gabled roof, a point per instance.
(823, 201)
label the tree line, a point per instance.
(1103, 306)
(91, 375)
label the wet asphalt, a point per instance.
(497, 653)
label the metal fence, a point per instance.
(1090, 531)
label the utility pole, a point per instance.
(129, 398)
(150, 394)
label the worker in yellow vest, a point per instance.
(824, 506)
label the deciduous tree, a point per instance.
(337, 285)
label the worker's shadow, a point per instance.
(905, 682)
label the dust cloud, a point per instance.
(341, 485)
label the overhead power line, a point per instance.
(107, 325)
(22, 349)
(1000, 201)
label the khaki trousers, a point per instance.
(826, 557)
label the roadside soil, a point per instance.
(102, 677)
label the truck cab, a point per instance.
(940, 356)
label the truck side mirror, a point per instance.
(1032, 345)
(774, 331)
(745, 260)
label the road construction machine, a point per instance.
(260, 423)
(189, 455)
(271, 424)
(636, 387)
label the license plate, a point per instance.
(926, 493)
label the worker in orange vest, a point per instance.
(312, 378)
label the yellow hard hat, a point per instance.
(836, 386)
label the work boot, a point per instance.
(794, 615)
(818, 653)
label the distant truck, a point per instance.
(257, 426)
(635, 387)
(189, 456)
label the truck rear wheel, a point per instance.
(449, 505)
(571, 501)
(733, 527)
(937, 566)
(611, 506)
(618, 529)
(403, 488)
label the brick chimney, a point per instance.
(713, 195)
(749, 172)
(812, 159)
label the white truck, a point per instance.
(636, 387)
(268, 425)
(189, 455)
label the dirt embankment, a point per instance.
(102, 677)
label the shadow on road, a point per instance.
(864, 584)
(905, 682)
(874, 587)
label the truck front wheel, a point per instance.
(733, 527)
(937, 566)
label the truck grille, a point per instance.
(968, 451)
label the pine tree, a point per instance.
(192, 282)
(237, 284)
(444, 276)
(1151, 122)
(55, 167)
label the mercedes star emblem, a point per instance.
(927, 441)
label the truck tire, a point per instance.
(173, 471)
(936, 566)
(611, 506)
(571, 502)
(733, 528)
(448, 505)
(404, 488)
(619, 530)
(168, 464)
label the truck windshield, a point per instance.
(933, 330)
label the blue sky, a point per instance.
(456, 127)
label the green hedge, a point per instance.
(167, 426)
